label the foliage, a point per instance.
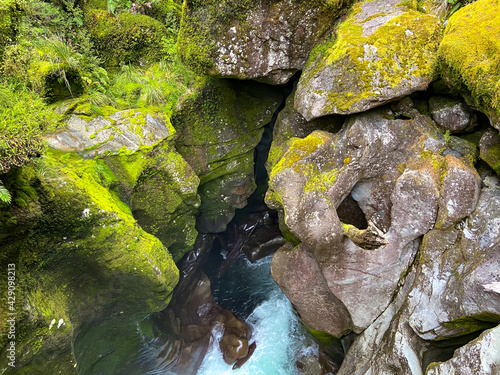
(23, 119)
(5, 196)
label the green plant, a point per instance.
(24, 118)
(5, 196)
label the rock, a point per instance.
(165, 200)
(234, 342)
(469, 54)
(448, 298)
(299, 276)
(452, 114)
(99, 268)
(381, 52)
(393, 168)
(489, 148)
(123, 130)
(480, 356)
(291, 123)
(459, 192)
(218, 127)
(265, 40)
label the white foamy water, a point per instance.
(275, 328)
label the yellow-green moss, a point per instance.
(470, 53)
(403, 48)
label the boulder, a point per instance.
(450, 297)
(381, 52)
(489, 148)
(452, 114)
(218, 126)
(266, 40)
(99, 268)
(469, 56)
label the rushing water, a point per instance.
(250, 292)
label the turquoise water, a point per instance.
(279, 336)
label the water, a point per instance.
(250, 292)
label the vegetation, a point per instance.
(106, 55)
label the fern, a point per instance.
(5, 196)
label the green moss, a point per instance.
(126, 38)
(403, 48)
(298, 149)
(470, 54)
(471, 324)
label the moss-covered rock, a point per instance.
(218, 126)
(80, 258)
(470, 56)
(265, 40)
(489, 147)
(382, 51)
(165, 200)
(125, 38)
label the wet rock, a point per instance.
(469, 56)
(381, 52)
(452, 114)
(265, 40)
(218, 127)
(480, 356)
(234, 342)
(124, 130)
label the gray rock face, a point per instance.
(393, 168)
(480, 356)
(381, 52)
(266, 40)
(449, 297)
(130, 130)
(452, 114)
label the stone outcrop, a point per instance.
(381, 52)
(266, 40)
(452, 114)
(395, 172)
(124, 130)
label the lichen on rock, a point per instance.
(264, 40)
(381, 52)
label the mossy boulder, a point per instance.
(80, 259)
(165, 200)
(266, 40)
(218, 126)
(469, 55)
(125, 38)
(382, 51)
